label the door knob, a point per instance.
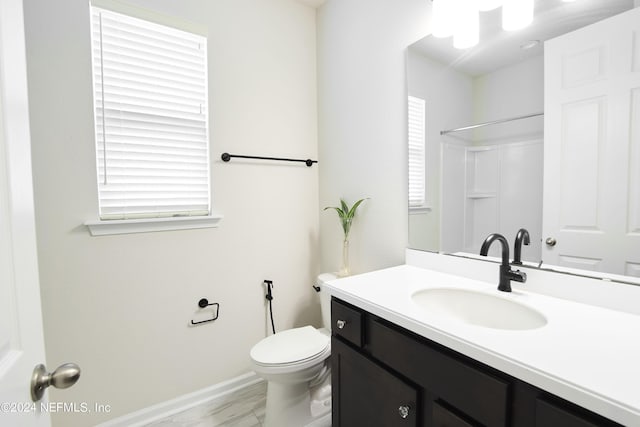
(550, 241)
(64, 376)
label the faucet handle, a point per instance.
(518, 276)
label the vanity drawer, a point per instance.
(469, 389)
(346, 322)
(443, 417)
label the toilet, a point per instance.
(295, 364)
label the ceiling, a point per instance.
(313, 3)
(498, 48)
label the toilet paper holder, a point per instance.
(203, 303)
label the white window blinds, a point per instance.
(416, 152)
(150, 99)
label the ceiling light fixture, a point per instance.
(442, 13)
(461, 18)
(516, 14)
(466, 28)
(486, 5)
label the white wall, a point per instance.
(120, 306)
(449, 104)
(362, 124)
(511, 91)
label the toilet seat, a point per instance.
(291, 349)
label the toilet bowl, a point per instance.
(295, 365)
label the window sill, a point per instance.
(419, 210)
(146, 225)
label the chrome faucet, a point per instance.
(521, 237)
(506, 274)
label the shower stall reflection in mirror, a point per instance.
(491, 188)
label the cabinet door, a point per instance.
(366, 394)
(553, 414)
(473, 390)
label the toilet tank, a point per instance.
(325, 298)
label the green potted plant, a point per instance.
(346, 215)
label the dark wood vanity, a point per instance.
(384, 375)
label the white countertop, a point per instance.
(585, 354)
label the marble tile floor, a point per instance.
(243, 408)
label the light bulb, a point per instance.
(466, 31)
(486, 5)
(516, 14)
(442, 18)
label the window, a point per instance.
(416, 133)
(150, 102)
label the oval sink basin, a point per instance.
(478, 308)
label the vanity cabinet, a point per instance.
(370, 394)
(384, 375)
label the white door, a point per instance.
(592, 147)
(21, 339)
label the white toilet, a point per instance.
(295, 364)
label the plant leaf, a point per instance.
(345, 207)
(352, 212)
(341, 213)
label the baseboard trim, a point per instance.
(184, 402)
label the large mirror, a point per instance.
(491, 141)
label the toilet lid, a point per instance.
(289, 346)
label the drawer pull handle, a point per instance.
(341, 323)
(403, 411)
